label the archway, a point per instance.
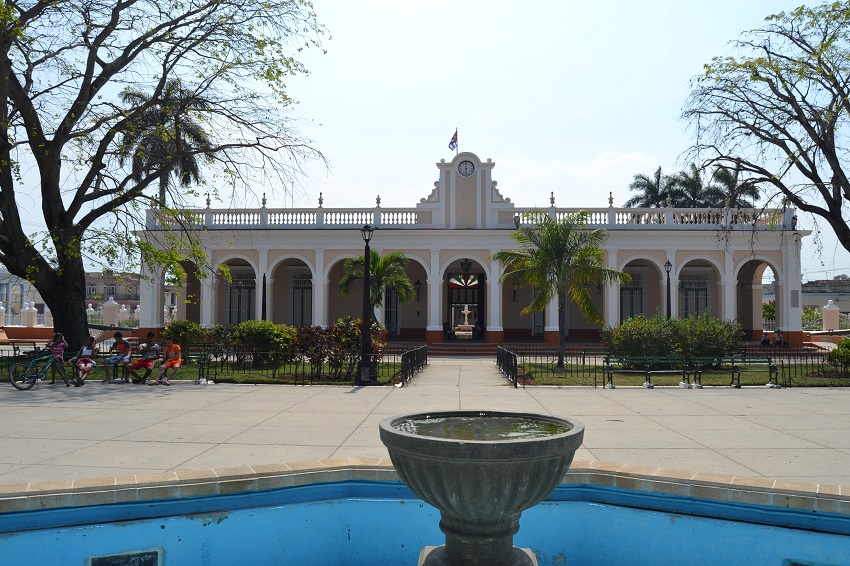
(751, 296)
(236, 300)
(466, 298)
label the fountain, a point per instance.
(481, 469)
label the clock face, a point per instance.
(466, 168)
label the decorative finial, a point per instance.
(321, 200)
(264, 200)
(208, 200)
(669, 201)
(610, 198)
(552, 198)
(378, 201)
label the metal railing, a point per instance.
(506, 362)
(412, 362)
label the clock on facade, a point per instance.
(466, 168)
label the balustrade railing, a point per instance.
(411, 218)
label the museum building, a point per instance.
(285, 265)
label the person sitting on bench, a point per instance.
(448, 332)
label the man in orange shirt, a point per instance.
(171, 359)
(123, 349)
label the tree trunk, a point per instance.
(562, 327)
(65, 294)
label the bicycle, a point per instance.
(23, 375)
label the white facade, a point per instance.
(294, 258)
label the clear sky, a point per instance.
(568, 97)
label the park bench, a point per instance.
(734, 364)
(643, 365)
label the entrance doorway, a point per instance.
(466, 305)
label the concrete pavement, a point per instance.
(54, 432)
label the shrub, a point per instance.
(694, 336)
(183, 332)
(265, 339)
(840, 355)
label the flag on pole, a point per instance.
(453, 143)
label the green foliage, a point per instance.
(689, 337)
(261, 336)
(768, 310)
(183, 332)
(385, 271)
(559, 258)
(840, 355)
(775, 110)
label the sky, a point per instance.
(568, 97)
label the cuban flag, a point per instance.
(453, 143)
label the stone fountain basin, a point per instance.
(480, 480)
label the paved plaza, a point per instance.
(54, 432)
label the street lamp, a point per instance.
(364, 372)
(667, 267)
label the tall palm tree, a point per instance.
(559, 258)
(652, 190)
(688, 190)
(385, 271)
(734, 192)
(165, 136)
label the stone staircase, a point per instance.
(462, 348)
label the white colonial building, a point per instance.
(286, 264)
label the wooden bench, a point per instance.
(643, 365)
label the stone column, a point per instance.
(610, 309)
(495, 328)
(320, 290)
(2, 314)
(151, 295)
(434, 328)
(208, 300)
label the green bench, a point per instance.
(702, 365)
(643, 365)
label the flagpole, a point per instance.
(457, 145)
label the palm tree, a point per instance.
(387, 271)
(734, 193)
(164, 137)
(689, 191)
(559, 258)
(652, 190)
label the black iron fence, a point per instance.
(300, 366)
(506, 361)
(585, 366)
(412, 362)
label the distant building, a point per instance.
(816, 293)
(123, 287)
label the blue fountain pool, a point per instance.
(382, 522)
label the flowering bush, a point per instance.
(694, 336)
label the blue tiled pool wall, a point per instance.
(353, 523)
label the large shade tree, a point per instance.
(63, 123)
(779, 110)
(559, 258)
(385, 271)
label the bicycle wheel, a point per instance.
(22, 376)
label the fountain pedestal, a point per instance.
(481, 469)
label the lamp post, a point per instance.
(667, 267)
(364, 371)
